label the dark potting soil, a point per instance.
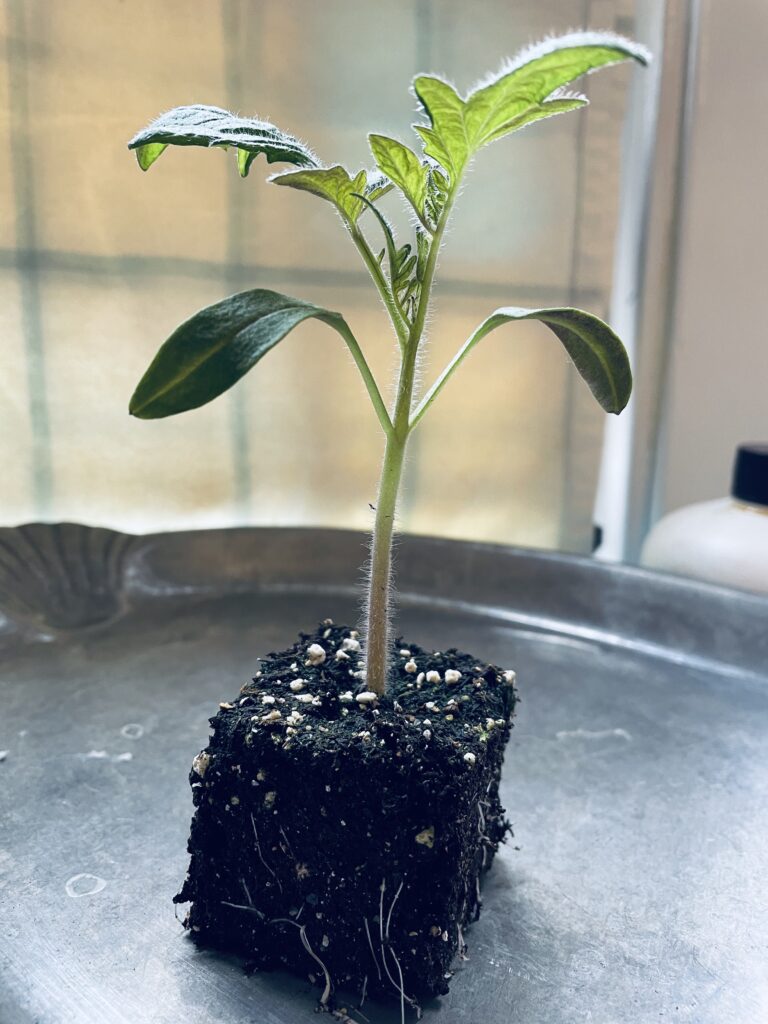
(344, 837)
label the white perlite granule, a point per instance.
(315, 654)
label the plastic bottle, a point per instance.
(723, 541)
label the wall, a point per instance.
(717, 387)
(99, 263)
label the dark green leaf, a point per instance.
(596, 351)
(200, 125)
(210, 352)
(401, 165)
(518, 93)
(331, 183)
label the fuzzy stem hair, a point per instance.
(376, 628)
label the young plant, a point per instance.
(209, 353)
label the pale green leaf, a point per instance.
(401, 165)
(377, 185)
(433, 146)
(531, 78)
(146, 155)
(331, 183)
(422, 253)
(210, 352)
(200, 125)
(445, 140)
(536, 113)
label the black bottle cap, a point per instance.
(750, 474)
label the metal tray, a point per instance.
(637, 777)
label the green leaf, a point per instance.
(200, 125)
(422, 252)
(401, 165)
(536, 113)
(526, 90)
(331, 183)
(146, 155)
(438, 190)
(523, 91)
(209, 353)
(596, 351)
(445, 140)
(389, 237)
(377, 186)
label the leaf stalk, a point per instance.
(382, 286)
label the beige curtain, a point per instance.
(99, 262)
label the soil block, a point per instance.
(343, 836)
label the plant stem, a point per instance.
(395, 315)
(377, 623)
(379, 589)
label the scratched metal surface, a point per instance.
(637, 777)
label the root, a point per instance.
(247, 894)
(373, 952)
(389, 915)
(402, 990)
(290, 851)
(305, 943)
(481, 826)
(261, 855)
(242, 906)
(481, 818)
(387, 948)
(462, 943)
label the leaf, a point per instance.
(519, 93)
(536, 113)
(210, 352)
(401, 165)
(438, 190)
(422, 251)
(526, 90)
(389, 237)
(596, 351)
(146, 155)
(200, 125)
(331, 183)
(445, 140)
(377, 186)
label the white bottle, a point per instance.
(723, 541)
